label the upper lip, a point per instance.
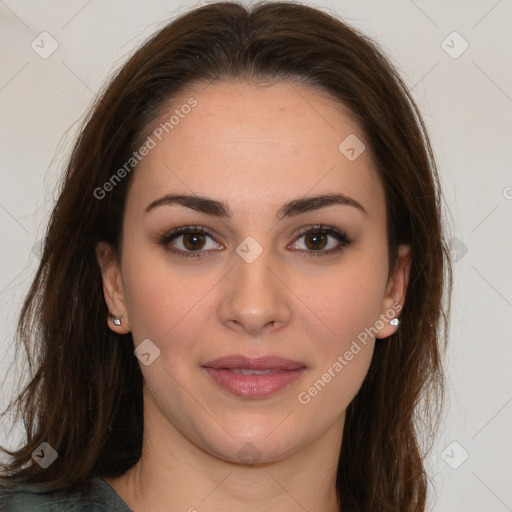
(258, 363)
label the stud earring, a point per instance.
(395, 321)
(116, 320)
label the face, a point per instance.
(255, 275)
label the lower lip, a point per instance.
(254, 386)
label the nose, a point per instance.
(254, 296)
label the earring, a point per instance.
(395, 321)
(116, 320)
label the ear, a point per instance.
(396, 289)
(112, 287)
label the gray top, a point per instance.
(37, 498)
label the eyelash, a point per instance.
(341, 236)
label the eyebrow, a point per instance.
(221, 209)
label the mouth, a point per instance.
(254, 377)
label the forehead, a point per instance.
(252, 144)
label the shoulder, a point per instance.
(38, 498)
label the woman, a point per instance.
(240, 300)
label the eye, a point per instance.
(316, 239)
(188, 240)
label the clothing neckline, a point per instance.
(105, 488)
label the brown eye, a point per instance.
(189, 241)
(321, 241)
(193, 241)
(315, 240)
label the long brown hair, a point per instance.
(84, 396)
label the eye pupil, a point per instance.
(316, 238)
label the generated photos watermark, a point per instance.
(150, 143)
(304, 397)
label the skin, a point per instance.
(254, 148)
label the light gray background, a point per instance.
(466, 102)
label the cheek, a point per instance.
(344, 300)
(341, 318)
(165, 303)
(342, 363)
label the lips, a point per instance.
(254, 377)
